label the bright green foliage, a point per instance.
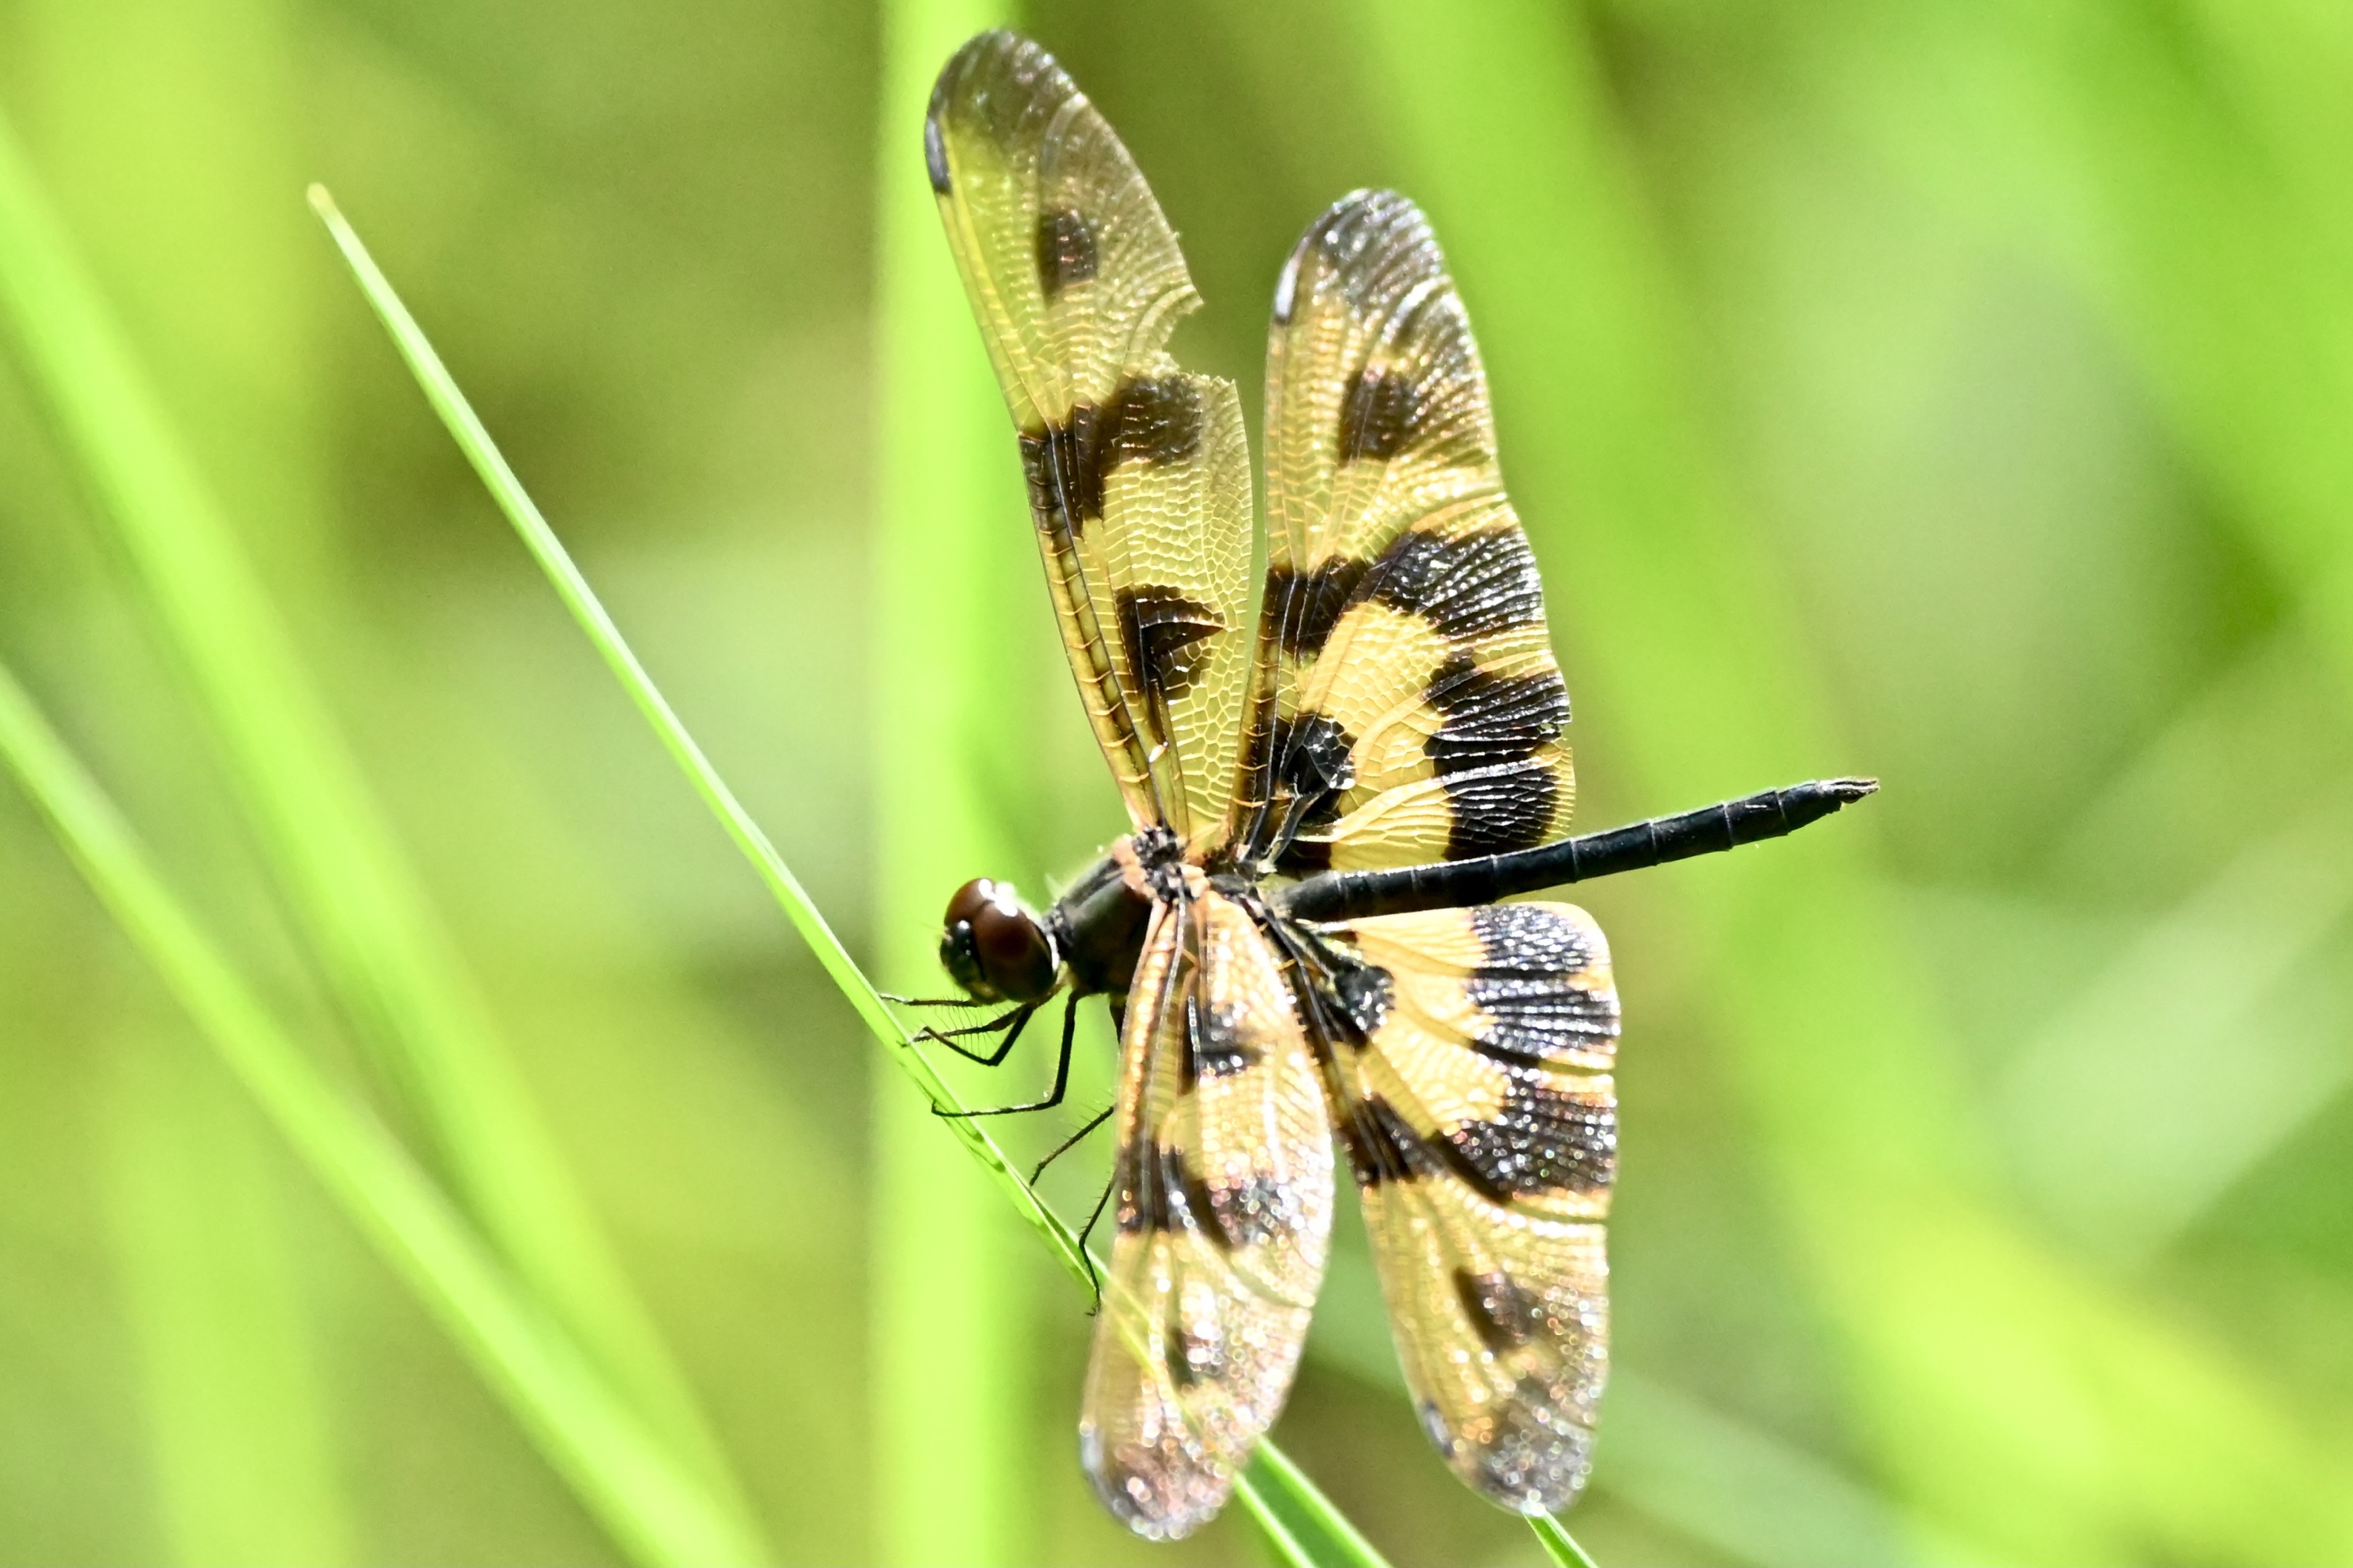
(1952, 392)
(655, 1509)
(357, 903)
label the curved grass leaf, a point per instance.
(1302, 1524)
(1559, 1544)
(361, 907)
(582, 601)
(659, 1510)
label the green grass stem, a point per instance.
(1303, 1523)
(573, 588)
(1300, 1523)
(1559, 1544)
(622, 1470)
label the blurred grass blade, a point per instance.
(1559, 1544)
(955, 1358)
(622, 1471)
(1299, 1521)
(1324, 1536)
(582, 601)
(243, 1444)
(361, 908)
(1510, 141)
(1879, 1152)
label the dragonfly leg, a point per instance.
(1066, 1145)
(1012, 1021)
(1087, 1258)
(1061, 1066)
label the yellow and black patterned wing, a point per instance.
(1139, 473)
(1225, 1217)
(1475, 1102)
(1405, 706)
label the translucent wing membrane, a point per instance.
(1476, 1106)
(1405, 705)
(1138, 472)
(1224, 1191)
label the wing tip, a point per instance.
(1319, 235)
(1371, 217)
(935, 156)
(1525, 1477)
(1183, 1499)
(997, 80)
(995, 45)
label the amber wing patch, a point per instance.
(1472, 1077)
(1138, 471)
(1405, 704)
(1224, 1208)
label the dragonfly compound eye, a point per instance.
(995, 948)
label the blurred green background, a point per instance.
(1960, 392)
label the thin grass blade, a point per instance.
(1282, 1498)
(362, 908)
(475, 441)
(1300, 1523)
(659, 1510)
(1559, 1544)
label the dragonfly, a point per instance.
(1301, 938)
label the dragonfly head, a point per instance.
(995, 947)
